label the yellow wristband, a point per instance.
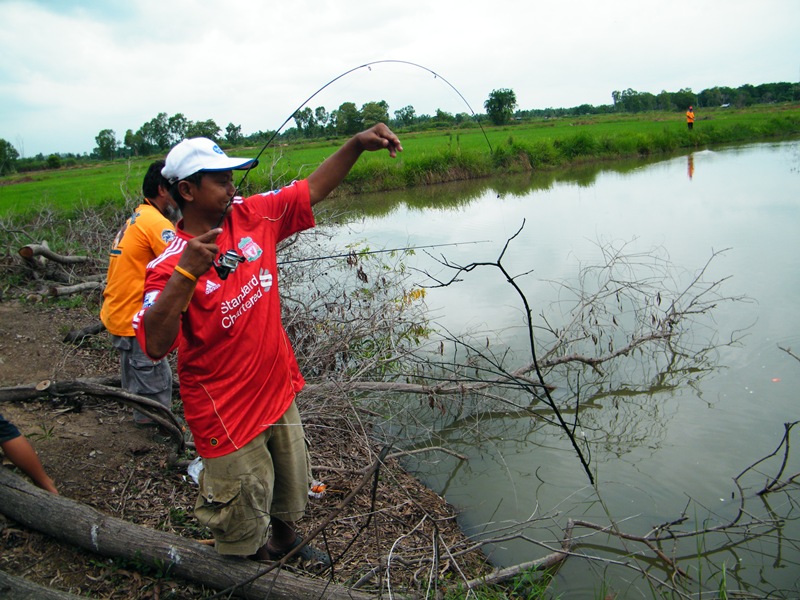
(185, 273)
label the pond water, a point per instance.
(660, 447)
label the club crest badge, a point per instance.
(250, 249)
(149, 299)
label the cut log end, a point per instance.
(43, 385)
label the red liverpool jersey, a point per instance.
(237, 370)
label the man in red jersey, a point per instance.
(238, 374)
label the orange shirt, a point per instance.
(143, 237)
(690, 116)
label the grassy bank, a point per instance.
(434, 157)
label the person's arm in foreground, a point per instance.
(162, 320)
(20, 452)
(333, 170)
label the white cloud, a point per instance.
(70, 69)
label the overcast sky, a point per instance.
(70, 69)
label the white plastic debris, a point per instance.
(194, 469)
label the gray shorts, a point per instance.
(269, 477)
(142, 376)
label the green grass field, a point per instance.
(430, 157)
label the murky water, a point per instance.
(664, 440)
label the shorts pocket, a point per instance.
(147, 377)
(224, 508)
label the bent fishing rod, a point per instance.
(229, 260)
(344, 74)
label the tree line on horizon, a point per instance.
(162, 132)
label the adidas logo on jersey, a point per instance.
(211, 286)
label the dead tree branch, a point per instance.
(76, 336)
(546, 562)
(790, 353)
(98, 387)
(66, 290)
(776, 483)
(625, 304)
(32, 251)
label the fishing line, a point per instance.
(357, 253)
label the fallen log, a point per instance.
(66, 290)
(19, 588)
(97, 387)
(76, 336)
(39, 390)
(83, 526)
(31, 251)
(551, 561)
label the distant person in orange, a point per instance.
(19, 451)
(690, 118)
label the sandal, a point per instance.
(307, 552)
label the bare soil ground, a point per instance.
(96, 455)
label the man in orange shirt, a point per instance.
(142, 238)
(690, 118)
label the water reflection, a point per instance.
(663, 429)
(460, 194)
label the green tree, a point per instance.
(322, 116)
(374, 112)
(632, 101)
(155, 133)
(744, 95)
(208, 129)
(8, 158)
(348, 119)
(405, 116)
(305, 121)
(176, 128)
(54, 161)
(333, 120)
(107, 144)
(728, 94)
(134, 143)
(684, 98)
(664, 101)
(500, 105)
(444, 117)
(710, 97)
(233, 134)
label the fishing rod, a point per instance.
(344, 74)
(229, 260)
(407, 248)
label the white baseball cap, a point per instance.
(200, 154)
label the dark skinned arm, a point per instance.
(162, 321)
(20, 452)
